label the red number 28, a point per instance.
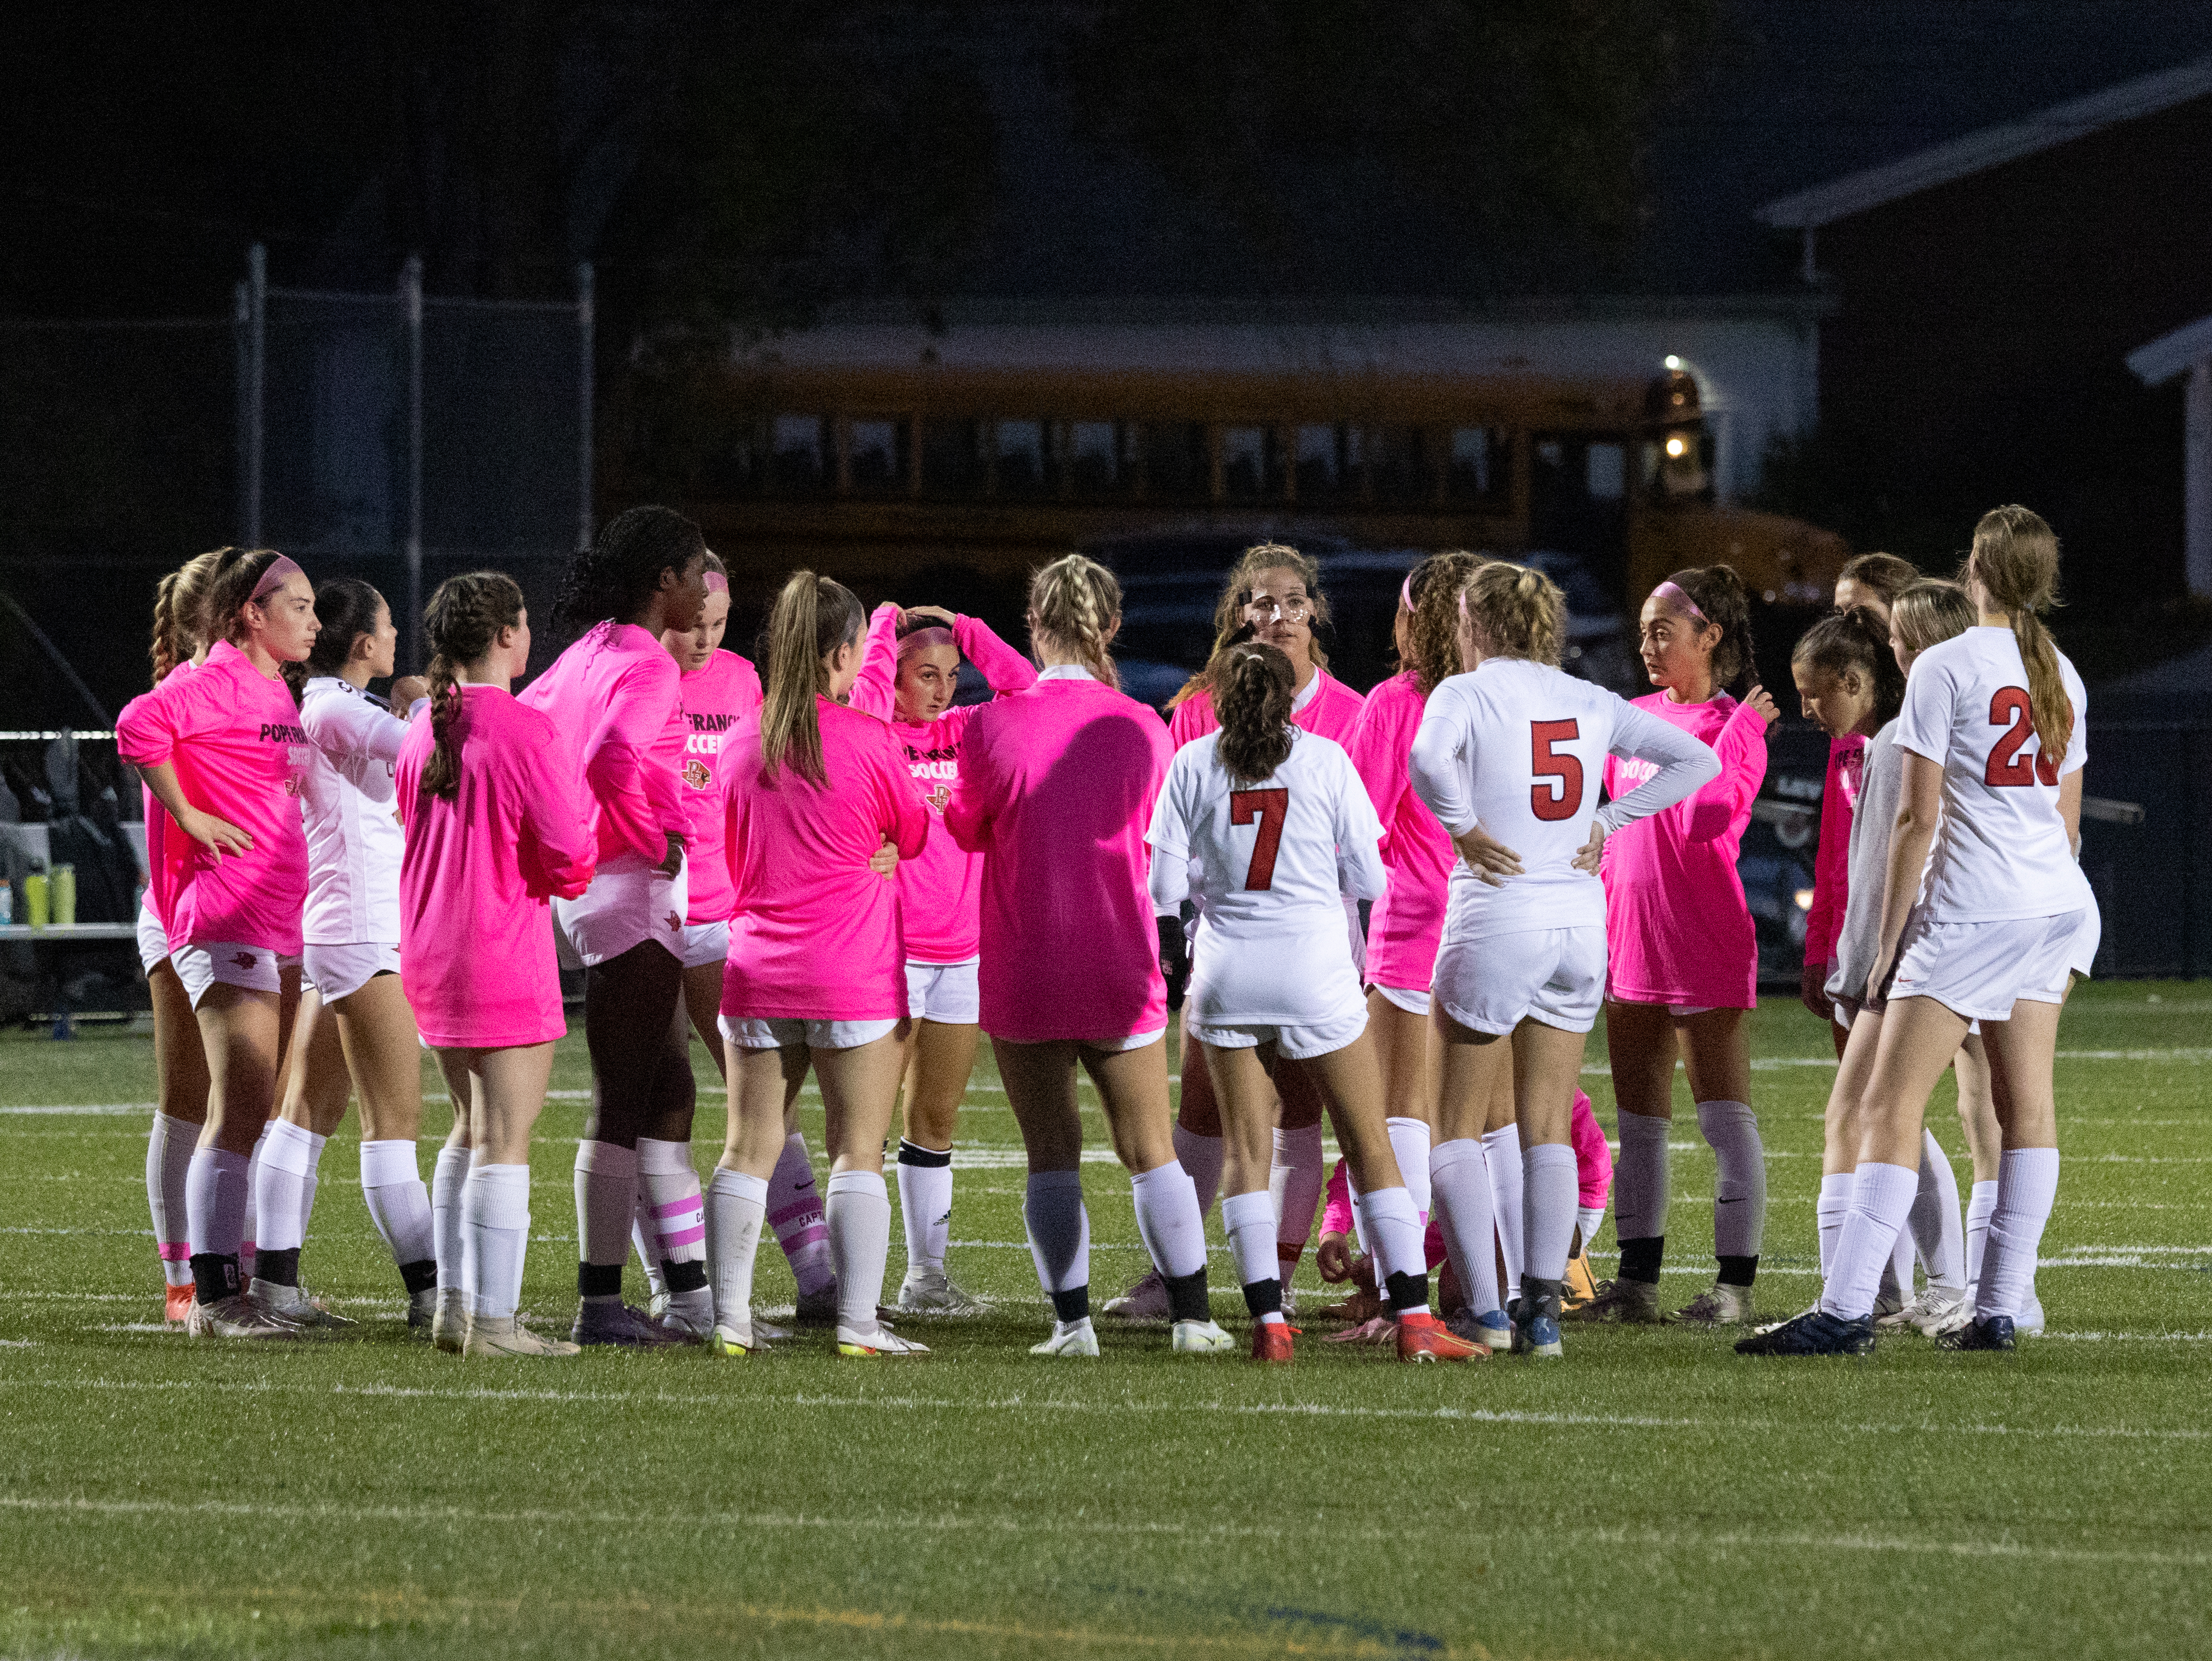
(2011, 707)
(1268, 808)
(1549, 763)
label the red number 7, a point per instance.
(1268, 808)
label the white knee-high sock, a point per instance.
(795, 1212)
(1739, 1189)
(1501, 1156)
(736, 1206)
(1639, 1177)
(1897, 1273)
(607, 1200)
(1410, 1141)
(1936, 1229)
(1834, 1205)
(1548, 1175)
(447, 1177)
(1395, 1227)
(670, 1183)
(1461, 1180)
(249, 1228)
(495, 1233)
(168, 1156)
(1249, 1220)
(1881, 1197)
(1059, 1240)
(1168, 1219)
(2028, 1185)
(1980, 1204)
(309, 1181)
(214, 1214)
(1200, 1156)
(399, 1204)
(1295, 1183)
(857, 1208)
(925, 1186)
(280, 1175)
(645, 1235)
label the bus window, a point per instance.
(1251, 465)
(879, 454)
(952, 458)
(1094, 458)
(1019, 447)
(1327, 464)
(1478, 468)
(798, 462)
(1175, 461)
(1606, 471)
(1398, 466)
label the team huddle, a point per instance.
(1401, 914)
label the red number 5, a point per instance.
(1549, 763)
(2011, 705)
(1268, 808)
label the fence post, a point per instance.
(585, 294)
(241, 319)
(252, 397)
(410, 303)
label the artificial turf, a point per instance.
(1653, 1495)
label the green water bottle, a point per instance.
(35, 897)
(64, 895)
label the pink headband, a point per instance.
(1673, 592)
(717, 583)
(281, 568)
(922, 639)
(1406, 592)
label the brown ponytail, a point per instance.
(235, 573)
(462, 621)
(1856, 639)
(1719, 595)
(1252, 694)
(813, 617)
(1516, 613)
(2015, 559)
(1432, 637)
(178, 601)
(1076, 602)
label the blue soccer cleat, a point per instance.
(1816, 1332)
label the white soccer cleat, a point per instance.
(689, 1318)
(737, 1338)
(767, 1332)
(866, 1346)
(293, 1304)
(504, 1336)
(1075, 1339)
(1147, 1300)
(236, 1316)
(1201, 1338)
(2029, 1321)
(449, 1321)
(930, 1292)
(1928, 1314)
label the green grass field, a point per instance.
(1655, 1495)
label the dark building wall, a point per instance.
(1978, 352)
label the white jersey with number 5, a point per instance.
(1519, 748)
(1268, 864)
(2001, 848)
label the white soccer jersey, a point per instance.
(354, 839)
(2000, 850)
(1520, 749)
(1267, 865)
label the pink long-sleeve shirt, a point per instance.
(161, 875)
(1831, 862)
(615, 699)
(1406, 924)
(1326, 707)
(940, 894)
(717, 696)
(1677, 928)
(476, 940)
(1056, 788)
(235, 739)
(816, 932)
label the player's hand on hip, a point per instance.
(1490, 858)
(218, 836)
(1591, 854)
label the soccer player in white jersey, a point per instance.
(1984, 916)
(1271, 826)
(1509, 757)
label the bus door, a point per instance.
(1579, 500)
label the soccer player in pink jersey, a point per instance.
(496, 823)
(1985, 914)
(810, 791)
(1056, 786)
(909, 671)
(1508, 758)
(1273, 596)
(1266, 827)
(1683, 958)
(617, 701)
(222, 751)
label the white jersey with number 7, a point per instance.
(1519, 748)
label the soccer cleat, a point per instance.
(291, 1304)
(1422, 1337)
(734, 1339)
(449, 1321)
(767, 1332)
(1492, 1331)
(1075, 1339)
(1290, 1301)
(1719, 1306)
(176, 1303)
(817, 1308)
(505, 1336)
(930, 1292)
(2029, 1321)
(1536, 1320)
(1816, 1332)
(1930, 1312)
(1623, 1302)
(1200, 1338)
(1887, 1304)
(422, 1310)
(235, 1316)
(616, 1325)
(1146, 1300)
(1776, 1326)
(862, 1346)
(689, 1325)
(1983, 1332)
(1271, 1340)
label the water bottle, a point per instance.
(7, 905)
(35, 897)
(64, 895)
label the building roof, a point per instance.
(1990, 147)
(2172, 354)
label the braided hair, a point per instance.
(462, 621)
(615, 578)
(179, 601)
(1076, 603)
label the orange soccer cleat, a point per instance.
(1422, 1337)
(178, 1302)
(1271, 1340)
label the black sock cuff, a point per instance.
(279, 1268)
(1187, 1296)
(913, 1153)
(687, 1276)
(1738, 1271)
(419, 1277)
(1640, 1259)
(1404, 1291)
(1263, 1296)
(599, 1280)
(215, 1276)
(1071, 1305)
